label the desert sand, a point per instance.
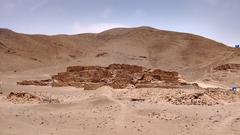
(210, 108)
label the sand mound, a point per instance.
(25, 97)
(223, 95)
(203, 97)
(191, 99)
(207, 97)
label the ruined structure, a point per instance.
(46, 82)
(228, 67)
(117, 76)
(22, 97)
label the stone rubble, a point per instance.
(117, 76)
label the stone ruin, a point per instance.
(227, 67)
(117, 76)
(22, 97)
(46, 82)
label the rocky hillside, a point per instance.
(190, 55)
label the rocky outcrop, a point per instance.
(227, 67)
(117, 76)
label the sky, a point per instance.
(216, 19)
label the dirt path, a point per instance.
(120, 120)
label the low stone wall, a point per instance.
(117, 76)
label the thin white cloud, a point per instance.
(39, 4)
(212, 2)
(7, 7)
(140, 13)
(94, 28)
(106, 13)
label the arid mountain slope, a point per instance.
(190, 55)
(226, 74)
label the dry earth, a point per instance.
(46, 110)
(68, 110)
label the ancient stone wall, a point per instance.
(228, 67)
(118, 76)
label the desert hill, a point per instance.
(191, 55)
(120, 81)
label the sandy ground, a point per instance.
(107, 111)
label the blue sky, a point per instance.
(215, 19)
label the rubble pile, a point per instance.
(227, 67)
(223, 95)
(180, 96)
(191, 99)
(36, 82)
(25, 97)
(117, 76)
(209, 97)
